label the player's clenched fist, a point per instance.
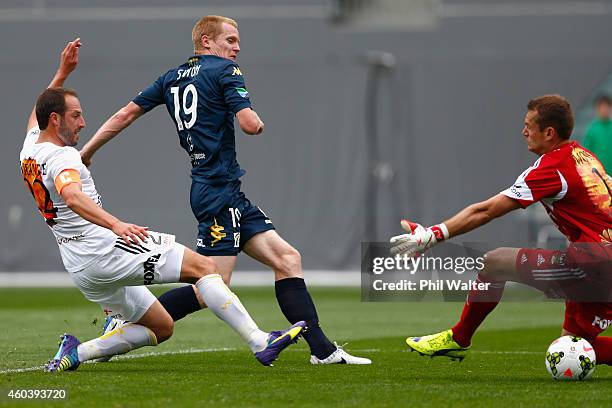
(418, 239)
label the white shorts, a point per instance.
(116, 280)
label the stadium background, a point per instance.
(355, 139)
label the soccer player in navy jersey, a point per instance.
(203, 95)
(109, 260)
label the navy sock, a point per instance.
(179, 302)
(296, 304)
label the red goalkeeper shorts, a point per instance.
(586, 289)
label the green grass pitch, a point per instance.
(205, 363)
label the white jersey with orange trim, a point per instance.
(46, 169)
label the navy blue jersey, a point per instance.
(202, 97)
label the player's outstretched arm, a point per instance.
(69, 60)
(479, 214)
(84, 206)
(419, 239)
(111, 128)
(249, 121)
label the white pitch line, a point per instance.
(129, 356)
(212, 350)
(22, 370)
(170, 353)
(156, 354)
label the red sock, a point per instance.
(478, 305)
(603, 350)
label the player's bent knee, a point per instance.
(195, 266)
(289, 264)
(499, 264)
(206, 266)
(164, 330)
(491, 263)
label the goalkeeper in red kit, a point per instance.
(571, 184)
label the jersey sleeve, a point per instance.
(65, 168)
(541, 181)
(151, 96)
(234, 88)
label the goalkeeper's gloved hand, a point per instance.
(418, 239)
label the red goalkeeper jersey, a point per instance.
(572, 185)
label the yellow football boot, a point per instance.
(439, 344)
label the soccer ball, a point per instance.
(570, 358)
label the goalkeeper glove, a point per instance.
(418, 240)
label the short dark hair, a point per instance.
(51, 100)
(553, 111)
(603, 98)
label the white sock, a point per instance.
(118, 341)
(227, 307)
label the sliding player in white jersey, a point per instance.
(109, 260)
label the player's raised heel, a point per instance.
(278, 341)
(438, 344)
(67, 357)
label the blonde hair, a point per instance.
(209, 26)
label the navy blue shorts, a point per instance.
(226, 232)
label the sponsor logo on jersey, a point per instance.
(242, 92)
(216, 231)
(201, 243)
(236, 71)
(65, 240)
(107, 312)
(515, 190)
(603, 324)
(540, 260)
(196, 157)
(558, 259)
(149, 268)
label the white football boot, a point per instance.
(340, 356)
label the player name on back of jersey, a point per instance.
(29, 167)
(188, 73)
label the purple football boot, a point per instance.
(66, 358)
(278, 341)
